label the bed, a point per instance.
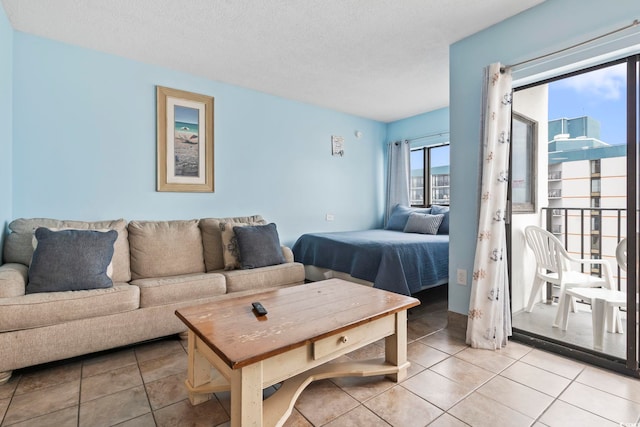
(390, 259)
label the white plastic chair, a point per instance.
(621, 254)
(555, 265)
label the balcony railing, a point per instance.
(555, 176)
(555, 194)
(583, 236)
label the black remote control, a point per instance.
(260, 310)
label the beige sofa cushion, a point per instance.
(51, 308)
(18, 247)
(13, 280)
(264, 277)
(212, 238)
(188, 287)
(165, 248)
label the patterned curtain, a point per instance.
(489, 322)
(398, 175)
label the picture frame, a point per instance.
(185, 157)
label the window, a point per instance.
(523, 163)
(595, 167)
(432, 189)
(595, 185)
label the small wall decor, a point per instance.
(337, 146)
(185, 141)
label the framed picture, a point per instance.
(185, 141)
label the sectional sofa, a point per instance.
(156, 268)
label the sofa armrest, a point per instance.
(13, 280)
(288, 254)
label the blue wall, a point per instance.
(431, 123)
(548, 27)
(6, 129)
(85, 147)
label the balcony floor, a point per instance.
(579, 331)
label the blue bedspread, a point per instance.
(395, 261)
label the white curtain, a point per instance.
(489, 322)
(398, 176)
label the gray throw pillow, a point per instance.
(423, 223)
(71, 260)
(259, 246)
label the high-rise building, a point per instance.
(587, 188)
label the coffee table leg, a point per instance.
(395, 347)
(246, 396)
(198, 371)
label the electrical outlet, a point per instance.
(462, 277)
(329, 217)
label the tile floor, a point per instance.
(449, 384)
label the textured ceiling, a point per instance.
(381, 59)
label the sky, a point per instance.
(599, 94)
(185, 114)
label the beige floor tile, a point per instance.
(166, 391)
(444, 342)
(114, 408)
(414, 369)
(67, 417)
(604, 404)
(323, 401)
(515, 350)
(562, 414)
(297, 420)
(516, 396)
(611, 382)
(363, 388)
(424, 355)
(107, 362)
(487, 359)
(209, 413)
(436, 389)
(553, 363)
(43, 401)
(164, 366)
(446, 420)
(536, 378)
(44, 377)
(422, 326)
(145, 420)
(358, 417)
(159, 348)
(462, 372)
(399, 407)
(110, 382)
(480, 411)
(7, 389)
(371, 351)
(4, 404)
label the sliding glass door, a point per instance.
(574, 173)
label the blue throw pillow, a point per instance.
(444, 226)
(400, 215)
(71, 260)
(259, 246)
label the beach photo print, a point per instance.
(185, 141)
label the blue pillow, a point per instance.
(423, 223)
(400, 215)
(259, 246)
(71, 260)
(444, 226)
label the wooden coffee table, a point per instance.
(306, 327)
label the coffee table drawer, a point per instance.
(354, 338)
